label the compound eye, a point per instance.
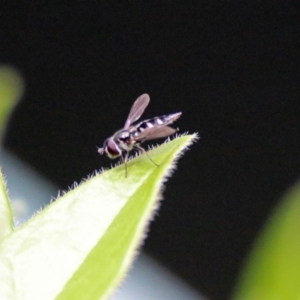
(112, 149)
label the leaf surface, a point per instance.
(273, 269)
(81, 246)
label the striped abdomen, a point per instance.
(157, 122)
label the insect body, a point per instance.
(131, 136)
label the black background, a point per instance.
(231, 68)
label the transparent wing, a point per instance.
(137, 109)
(155, 133)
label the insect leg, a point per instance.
(124, 160)
(144, 151)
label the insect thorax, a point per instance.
(124, 139)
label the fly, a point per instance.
(131, 136)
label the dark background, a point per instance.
(231, 68)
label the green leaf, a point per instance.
(81, 246)
(273, 269)
(11, 90)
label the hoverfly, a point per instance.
(131, 136)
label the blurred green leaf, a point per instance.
(81, 246)
(273, 269)
(11, 90)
